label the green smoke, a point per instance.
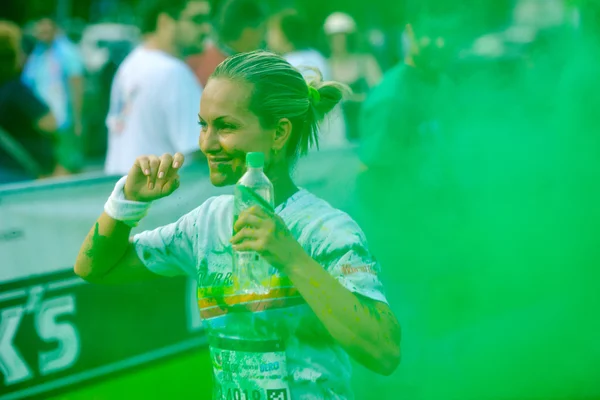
(491, 250)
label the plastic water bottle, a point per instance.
(251, 273)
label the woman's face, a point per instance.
(229, 130)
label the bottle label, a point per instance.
(250, 375)
(251, 273)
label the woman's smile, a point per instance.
(219, 161)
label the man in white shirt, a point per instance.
(155, 97)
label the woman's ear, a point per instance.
(283, 132)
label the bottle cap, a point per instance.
(255, 160)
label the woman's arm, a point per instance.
(365, 328)
(107, 256)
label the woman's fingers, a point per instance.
(171, 185)
(244, 234)
(154, 164)
(144, 165)
(178, 160)
(165, 164)
(249, 245)
(166, 161)
(247, 219)
(261, 212)
(248, 239)
(252, 225)
(161, 172)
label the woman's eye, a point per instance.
(203, 125)
(228, 127)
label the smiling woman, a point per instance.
(264, 106)
(326, 302)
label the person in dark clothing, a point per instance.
(405, 119)
(24, 119)
(406, 199)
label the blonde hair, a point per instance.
(280, 91)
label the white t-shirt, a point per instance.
(154, 103)
(198, 245)
(333, 128)
(309, 58)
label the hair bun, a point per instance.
(313, 95)
(324, 96)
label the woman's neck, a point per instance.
(283, 185)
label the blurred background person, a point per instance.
(54, 71)
(104, 47)
(27, 126)
(406, 118)
(239, 27)
(407, 203)
(290, 36)
(489, 213)
(359, 70)
(155, 96)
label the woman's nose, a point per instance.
(209, 140)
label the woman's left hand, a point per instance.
(264, 232)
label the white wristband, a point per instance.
(126, 211)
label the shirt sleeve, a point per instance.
(181, 105)
(171, 250)
(346, 257)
